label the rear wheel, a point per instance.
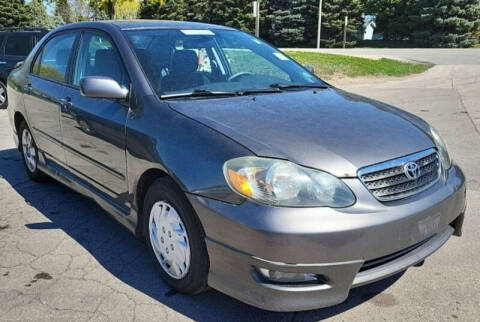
(175, 238)
(29, 153)
(3, 96)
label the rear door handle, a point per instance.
(66, 104)
(3, 62)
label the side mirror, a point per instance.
(309, 68)
(102, 87)
(18, 65)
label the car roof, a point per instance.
(135, 24)
(146, 24)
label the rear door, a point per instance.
(94, 128)
(44, 90)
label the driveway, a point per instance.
(63, 258)
(437, 56)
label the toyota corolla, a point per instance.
(242, 169)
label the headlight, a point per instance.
(285, 184)
(442, 148)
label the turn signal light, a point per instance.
(240, 183)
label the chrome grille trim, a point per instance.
(387, 180)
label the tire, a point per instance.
(165, 200)
(3, 96)
(29, 152)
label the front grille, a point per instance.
(388, 181)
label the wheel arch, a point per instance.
(18, 118)
(146, 179)
(144, 182)
(3, 77)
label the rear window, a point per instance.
(18, 45)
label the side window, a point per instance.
(18, 45)
(98, 57)
(1, 44)
(52, 62)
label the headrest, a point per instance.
(184, 61)
(62, 57)
(104, 57)
(142, 55)
(107, 64)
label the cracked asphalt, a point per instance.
(63, 258)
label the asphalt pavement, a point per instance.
(63, 258)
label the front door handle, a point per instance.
(3, 62)
(28, 88)
(66, 104)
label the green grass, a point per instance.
(329, 65)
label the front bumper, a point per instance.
(15, 139)
(336, 244)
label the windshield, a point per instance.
(187, 61)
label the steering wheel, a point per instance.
(236, 76)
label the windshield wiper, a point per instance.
(209, 93)
(200, 93)
(287, 86)
(259, 91)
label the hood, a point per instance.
(330, 129)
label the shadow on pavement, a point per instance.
(126, 257)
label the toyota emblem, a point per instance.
(411, 170)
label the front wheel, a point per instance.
(175, 238)
(29, 153)
(3, 96)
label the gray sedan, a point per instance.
(241, 169)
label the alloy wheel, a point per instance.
(29, 151)
(3, 95)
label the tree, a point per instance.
(163, 10)
(197, 10)
(295, 22)
(478, 34)
(115, 9)
(283, 22)
(103, 9)
(62, 10)
(333, 21)
(126, 9)
(308, 9)
(233, 13)
(39, 18)
(287, 25)
(80, 10)
(13, 13)
(445, 23)
(391, 17)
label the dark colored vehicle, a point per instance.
(242, 169)
(15, 45)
